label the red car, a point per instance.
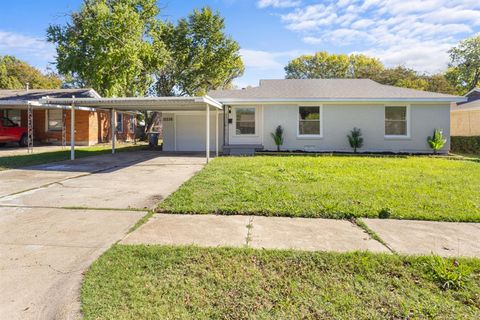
(12, 132)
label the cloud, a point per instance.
(36, 50)
(278, 3)
(267, 59)
(414, 33)
(427, 57)
(264, 65)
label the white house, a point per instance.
(317, 115)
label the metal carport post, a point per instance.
(207, 142)
(72, 130)
(113, 119)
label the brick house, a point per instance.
(92, 126)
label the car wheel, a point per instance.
(24, 141)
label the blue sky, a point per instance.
(416, 34)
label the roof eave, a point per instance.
(338, 100)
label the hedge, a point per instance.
(468, 145)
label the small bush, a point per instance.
(449, 274)
(278, 137)
(355, 139)
(385, 213)
(436, 141)
(468, 145)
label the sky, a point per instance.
(416, 34)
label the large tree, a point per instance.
(202, 57)
(15, 74)
(323, 65)
(107, 45)
(464, 71)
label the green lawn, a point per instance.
(155, 282)
(424, 188)
(24, 160)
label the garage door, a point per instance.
(190, 132)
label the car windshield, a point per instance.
(7, 122)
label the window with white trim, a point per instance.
(245, 121)
(309, 121)
(119, 122)
(54, 119)
(396, 121)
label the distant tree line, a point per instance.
(462, 75)
(15, 74)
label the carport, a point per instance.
(30, 106)
(154, 104)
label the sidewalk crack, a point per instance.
(249, 226)
(373, 235)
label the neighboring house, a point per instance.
(51, 125)
(317, 115)
(465, 117)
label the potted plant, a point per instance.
(436, 142)
(278, 137)
(355, 139)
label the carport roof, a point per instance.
(138, 103)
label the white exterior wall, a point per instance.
(186, 131)
(338, 120)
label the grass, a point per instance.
(24, 160)
(155, 282)
(334, 187)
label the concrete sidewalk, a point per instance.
(47, 239)
(402, 236)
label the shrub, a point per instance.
(436, 141)
(385, 213)
(468, 145)
(355, 139)
(278, 137)
(449, 274)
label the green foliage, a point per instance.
(333, 187)
(449, 274)
(436, 141)
(355, 139)
(385, 213)
(465, 145)
(323, 65)
(464, 70)
(278, 137)
(156, 282)
(15, 74)
(202, 57)
(106, 45)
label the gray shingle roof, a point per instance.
(362, 89)
(35, 94)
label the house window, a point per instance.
(396, 121)
(245, 121)
(309, 121)
(7, 123)
(119, 122)
(14, 115)
(132, 123)
(54, 120)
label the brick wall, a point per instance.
(90, 127)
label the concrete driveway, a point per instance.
(56, 219)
